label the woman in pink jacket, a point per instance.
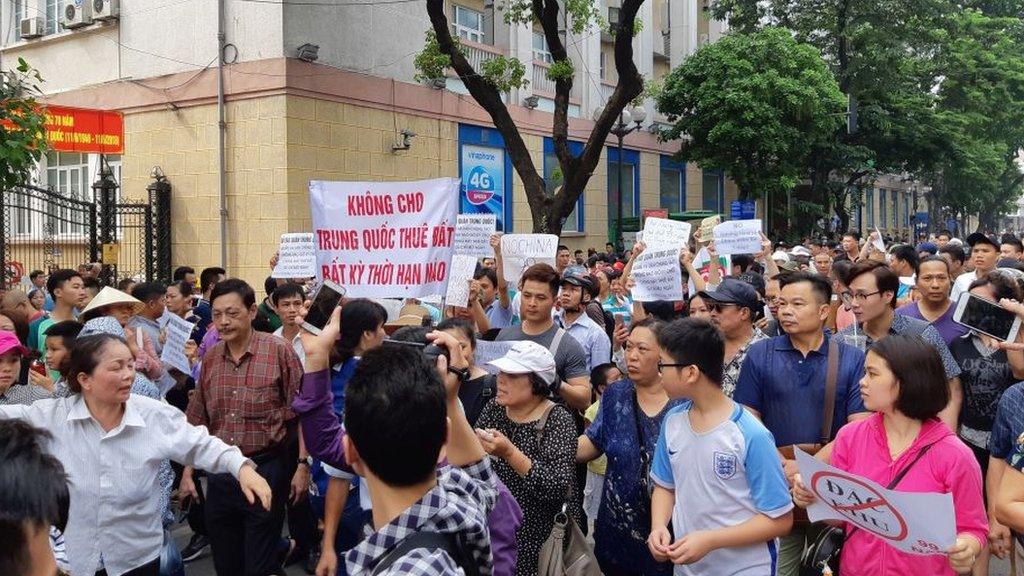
(905, 385)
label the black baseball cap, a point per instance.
(979, 238)
(734, 291)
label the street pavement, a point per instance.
(203, 566)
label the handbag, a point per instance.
(566, 551)
(821, 557)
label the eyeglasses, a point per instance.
(849, 297)
(718, 306)
(663, 365)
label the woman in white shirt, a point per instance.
(111, 444)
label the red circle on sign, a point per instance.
(875, 504)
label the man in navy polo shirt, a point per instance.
(783, 383)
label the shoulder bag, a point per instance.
(821, 557)
(566, 551)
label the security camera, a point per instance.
(406, 141)
(408, 133)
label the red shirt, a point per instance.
(248, 403)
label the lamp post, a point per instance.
(621, 129)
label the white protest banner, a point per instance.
(473, 234)
(487, 351)
(459, 276)
(296, 257)
(520, 251)
(661, 233)
(707, 228)
(178, 332)
(738, 237)
(657, 276)
(917, 523)
(380, 239)
(702, 263)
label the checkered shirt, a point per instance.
(24, 394)
(247, 403)
(460, 503)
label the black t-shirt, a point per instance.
(475, 393)
(984, 379)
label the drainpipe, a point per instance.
(222, 127)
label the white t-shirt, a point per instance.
(722, 478)
(963, 282)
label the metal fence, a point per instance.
(44, 230)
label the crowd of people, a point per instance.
(624, 437)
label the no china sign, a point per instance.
(918, 523)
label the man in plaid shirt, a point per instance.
(243, 397)
(400, 413)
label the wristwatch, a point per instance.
(308, 461)
(462, 373)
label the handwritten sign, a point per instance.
(878, 242)
(473, 234)
(382, 239)
(178, 332)
(459, 277)
(520, 251)
(657, 276)
(296, 257)
(707, 228)
(738, 237)
(487, 351)
(917, 523)
(660, 233)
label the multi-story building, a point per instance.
(324, 89)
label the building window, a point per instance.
(896, 222)
(883, 211)
(540, 48)
(68, 175)
(711, 191)
(869, 195)
(19, 13)
(630, 176)
(613, 17)
(553, 180)
(672, 185)
(54, 9)
(602, 60)
(469, 24)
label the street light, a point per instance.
(621, 129)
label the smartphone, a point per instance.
(987, 317)
(327, 298)
(619, 318)
(38, 367)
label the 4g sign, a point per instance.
(917, 523)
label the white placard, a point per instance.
(296, 257)
(657, 276)
(738, 237)
(459, 277)
(380, 239)
(487, 351)
(661, 233)
(916, 523)
(879, 242)
(707, 228)
(178, 332)
(520, 251)
(473, 234)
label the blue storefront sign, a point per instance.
(742, 210)
(484, 168)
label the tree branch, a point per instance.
(490, 100)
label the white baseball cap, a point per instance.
(780, 256)
(800, 251)
(527, 357)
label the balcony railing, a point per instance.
(477, 54)
(544, 86)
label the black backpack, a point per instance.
(452, 543)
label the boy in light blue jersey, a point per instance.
(733, 497)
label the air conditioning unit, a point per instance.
(77, 14)
(31, 28)
(105, 9)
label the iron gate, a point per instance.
(45, 230)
